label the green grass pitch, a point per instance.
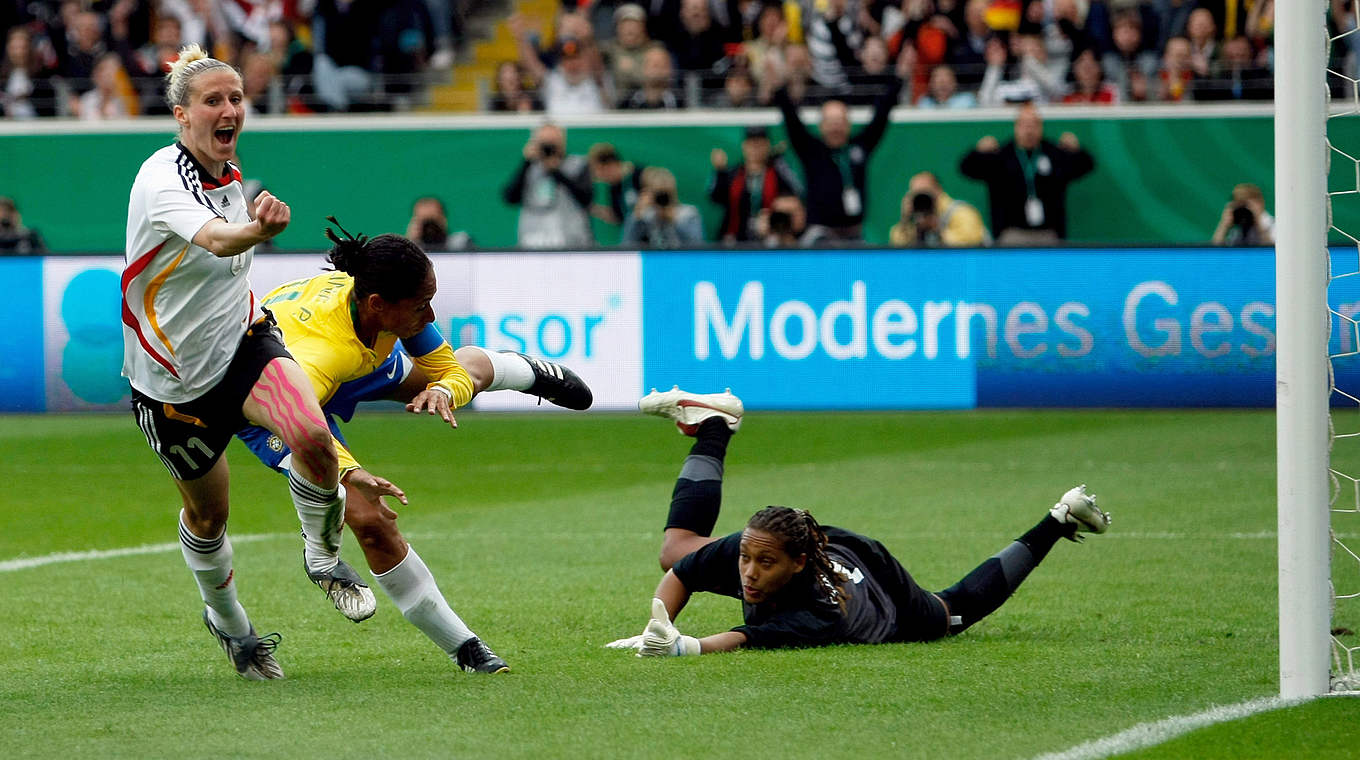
(543, 532)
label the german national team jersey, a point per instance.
(318, 321)
(801, 614)
(185, 310)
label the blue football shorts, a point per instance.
(379, 385)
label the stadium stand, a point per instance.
(443, 55)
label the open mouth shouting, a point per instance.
(225, 135)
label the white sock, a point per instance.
(413, 590)
(509, 371)
(210, 561)
(322, 512)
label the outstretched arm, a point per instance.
(449, 385)
(799, 136)
(883, 106)
(528, 54)
(662, 637)
(671, 590)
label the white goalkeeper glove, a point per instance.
(632, 642)
(662, 639)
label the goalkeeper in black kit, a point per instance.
(803, 584)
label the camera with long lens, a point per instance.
(922, 204)
(432, 232)
(781, 223)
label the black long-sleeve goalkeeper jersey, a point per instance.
(880, 601)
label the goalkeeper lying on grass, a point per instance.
(803, 584)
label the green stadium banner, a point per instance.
(1162, 175)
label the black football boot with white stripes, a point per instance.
(251, 655)
(474, 656)
(557, 384)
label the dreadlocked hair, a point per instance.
(389, 265)
(802, 534)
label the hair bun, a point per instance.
(346, 252)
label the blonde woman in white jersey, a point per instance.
(204, 359)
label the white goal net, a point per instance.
(1343, 299)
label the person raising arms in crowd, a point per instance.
(836, 163)
(803, 584)
(365, 332)
(204, 359)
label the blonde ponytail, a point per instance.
(191, 62)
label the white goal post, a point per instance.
(1303, 384)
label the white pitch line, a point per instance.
(26, 563)
(1150, 734)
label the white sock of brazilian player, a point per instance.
(412, 588)
(697, 497)
(509, 371)
(322, 512)
(210, 561)
(990, 584)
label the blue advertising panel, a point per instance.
(21, 340)
(881, 329)
(1126, 327)
(816, 329)
(930, 329)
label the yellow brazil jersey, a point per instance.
(317, 318)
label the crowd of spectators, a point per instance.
(598, 55)
(101, 59)
(762, 201)
(664, 54)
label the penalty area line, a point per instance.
(28, 563)
(1146, 735)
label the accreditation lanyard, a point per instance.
(850, 200)
(1028, 167)
(1034, 208)
(545, 190)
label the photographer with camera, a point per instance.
(784, 225)
(1245, 220)
(15, 238)
(930, 218)
(429, 227)
(659, 219)
(621, 179)
(553, 191)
